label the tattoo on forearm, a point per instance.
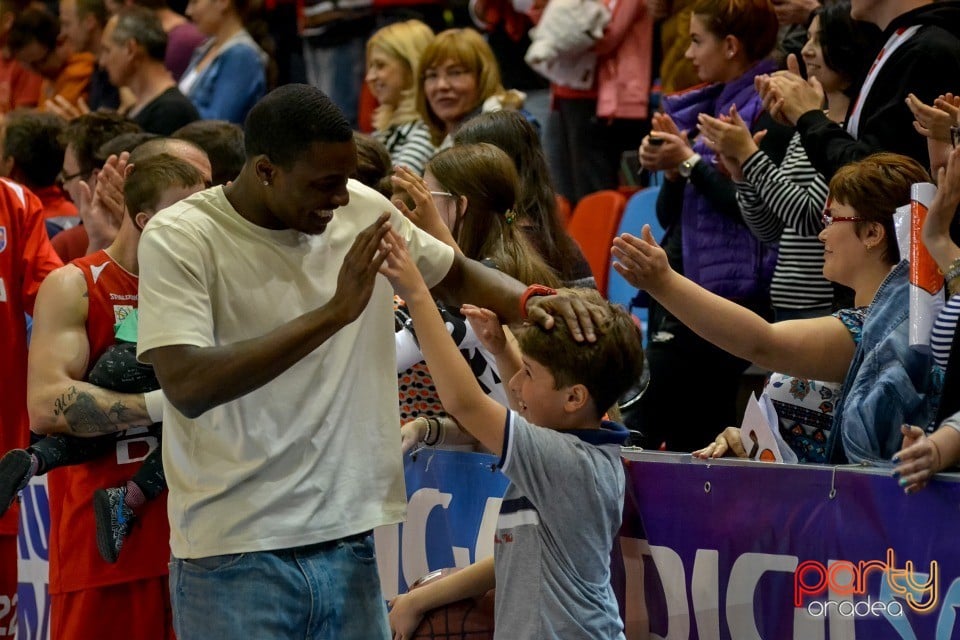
(83, 415)
(60, 404)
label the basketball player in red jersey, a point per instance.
(77, 310)
(26, 258)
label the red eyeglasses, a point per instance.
(829, 219)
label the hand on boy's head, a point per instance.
(486, 324)
(399, 268)
(580, 316)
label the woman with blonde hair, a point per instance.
(459, 77)
(393, 59)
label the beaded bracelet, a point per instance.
(433, 425)
(426, 436)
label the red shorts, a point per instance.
(138, 609)
(8, 585)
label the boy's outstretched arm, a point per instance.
(457, 387)
(408, 609)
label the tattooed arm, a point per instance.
(58, 399)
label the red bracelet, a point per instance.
(531, 291)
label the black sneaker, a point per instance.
(113, 519)
(14, 476)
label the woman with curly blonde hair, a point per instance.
(393, 59)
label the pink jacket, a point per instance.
(624, 68)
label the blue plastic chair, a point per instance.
(641, 209)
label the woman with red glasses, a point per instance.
(885, 383)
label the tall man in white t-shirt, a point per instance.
(272, 337)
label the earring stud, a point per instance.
(266, 183)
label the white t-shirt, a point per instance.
(314, 454)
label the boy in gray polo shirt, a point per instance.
(562, 509)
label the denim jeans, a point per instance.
(338, 71)
(323, 591)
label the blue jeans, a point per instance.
(338, 71)
(327, 590)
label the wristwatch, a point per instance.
(686, 167)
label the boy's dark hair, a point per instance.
(32, 139)
(143, 27)
(223, 142)
(87, 133)
(607, 367)
(289, 120)
(34, 23)
(374, 165)
(151, 177)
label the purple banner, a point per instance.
(745, 551)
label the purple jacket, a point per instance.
(721, 254)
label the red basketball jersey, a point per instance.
(26, 258)
(75, 562)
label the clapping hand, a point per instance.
(936, 227)
(787, 96)
(730, 137)
(666, 146)
(66, 109)
(102, 210)
(935, 121)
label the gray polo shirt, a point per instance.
(557, 523)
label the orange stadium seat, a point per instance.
(593, 225)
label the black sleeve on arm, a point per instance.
(717, 188)
(828, 145)
(670, 202)
(927, 65)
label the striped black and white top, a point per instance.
(785, 204)
(941, 337)
(409, 144)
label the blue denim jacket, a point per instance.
(888, 384)
(228, 87)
